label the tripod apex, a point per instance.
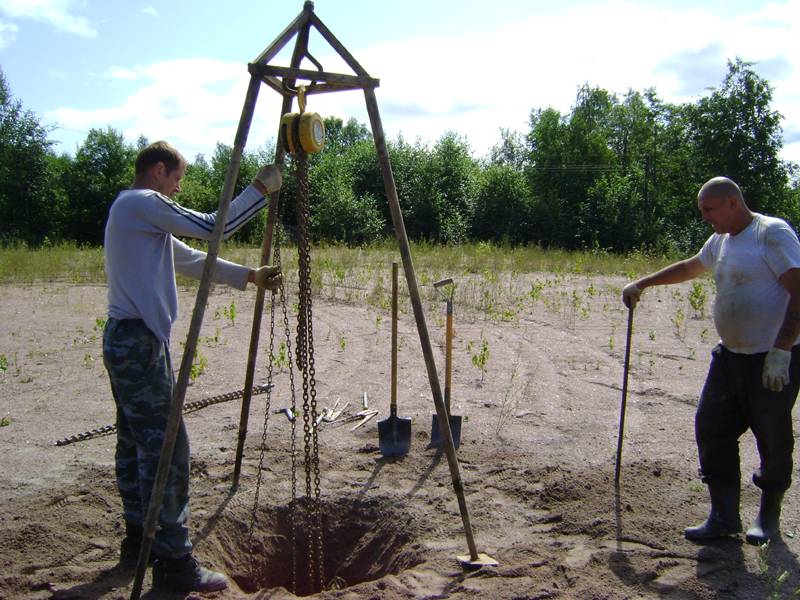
(308, 5)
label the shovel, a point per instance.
(394, 433)
(455, 421)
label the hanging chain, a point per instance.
(305, 362)
(266, 413)
(277, 261)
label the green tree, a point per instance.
(103, 166)
(454, 173)
(504, 205)
(26, 206)
(735, 132)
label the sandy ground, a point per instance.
(539, 436)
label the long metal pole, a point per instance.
(301, 44)
(621, 433)
(419, 315)
(174, 420)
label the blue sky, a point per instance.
(177, 70)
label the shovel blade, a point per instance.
(455, 431)
(394, 436)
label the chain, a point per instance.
(189, 407)
(270, 370)
(292, 506)
(305, 362)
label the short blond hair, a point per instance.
(158, 152)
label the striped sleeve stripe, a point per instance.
(190, 215)
(245, 216)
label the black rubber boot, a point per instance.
(185, 574)
(129, 549)
(766, 526)
(723, 520)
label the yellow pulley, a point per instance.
(303, 130)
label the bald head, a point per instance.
(720, 188)
(722, 205)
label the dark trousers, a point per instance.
(734, 400)
(140, 370)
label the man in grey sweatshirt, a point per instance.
(141, 259)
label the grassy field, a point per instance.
(71, 263)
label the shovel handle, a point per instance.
(621, 434)
(448, 354)
(393, 405)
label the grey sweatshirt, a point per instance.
(142, 256)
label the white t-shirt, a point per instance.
(142, 256)
(751, 303)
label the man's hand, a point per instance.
(267, 277)
(268, 179)
(630, 294)
(776, 369)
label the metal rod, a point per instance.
(174, 420)
(300, 47)
(621, 433)
(419, 316)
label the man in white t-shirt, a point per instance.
(753, 379)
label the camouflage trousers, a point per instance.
(140, 370)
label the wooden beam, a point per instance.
(179, 391)
(310, 75)
(338, 46)
(276, 46)
(300, 49)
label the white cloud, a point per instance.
(150, 10)
(57, 13)
(194, 103)
(477, 84)
(8, 33)
(122, 73)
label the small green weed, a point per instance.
(697, 298)
(480, 359)
(774, 581)
(5, 421)
(3, 363)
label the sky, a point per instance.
(177, 70)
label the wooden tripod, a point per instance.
(283, 80)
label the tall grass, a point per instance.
(71, 263)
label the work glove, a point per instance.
(630, 294)
(776, 369)
(270, 177)
(268, 277)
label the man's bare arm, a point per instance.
(675, 273)
(790, 329)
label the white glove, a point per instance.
(776, 369)
(270, 177)
(630, 294)
(268, 277)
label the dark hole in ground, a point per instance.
(362, 540)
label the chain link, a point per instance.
(305, 339)
(304, 359)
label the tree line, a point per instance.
(617, 173)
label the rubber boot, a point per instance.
(723, 520)
(129, 549)
(185, 574)
(766, 526)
